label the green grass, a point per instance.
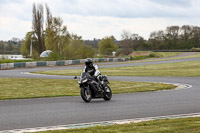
(167, 54)
(13, 61)
(182, 69)
(29, 60)
(162, 57)
(185, 69)
(173, 54)
(159, 54)
(181, 125)
(17, 88)
(153, 55)
(140, 55)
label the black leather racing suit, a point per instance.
(94, 71)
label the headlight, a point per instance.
(84, 81)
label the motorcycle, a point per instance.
(90, 88)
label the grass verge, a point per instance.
(167, 54)
(163, 56)
(185, 69)
(14, 61)
(181, 125)
(17, 88)
(140, 55)
(135, 57)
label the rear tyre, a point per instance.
(86, 96)
(108, 93)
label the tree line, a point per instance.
(54, 37)
(183, 37)
(10, 47)
(175, 37)
(71, 46)
(49, 33)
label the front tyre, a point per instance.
(86, 95)
(108, 93)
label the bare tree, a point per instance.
(157, 40)
(57, 37)
(172, 35)
(196, 36)
(175, 37)
(186, 36)
(126, 42)
(49, 19)
(130, 42)
(37, 26)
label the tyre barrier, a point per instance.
(6, 66)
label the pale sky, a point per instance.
(100, 18)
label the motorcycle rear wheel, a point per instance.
(86, 96)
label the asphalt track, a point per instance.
(43, 112)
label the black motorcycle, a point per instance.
(90, 88)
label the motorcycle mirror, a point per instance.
(75, 77)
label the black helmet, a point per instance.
(88, 62)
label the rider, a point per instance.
(92, 69)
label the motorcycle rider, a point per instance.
(93, 70)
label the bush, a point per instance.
(153, 55)
(54, 57)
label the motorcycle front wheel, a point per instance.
(86, 95)
(108, 93)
